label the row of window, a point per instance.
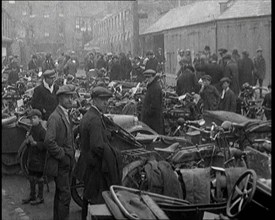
(119, 37)
(111, 23)
(7, 25)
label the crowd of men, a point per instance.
(218, 82)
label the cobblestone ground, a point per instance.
(15, 188)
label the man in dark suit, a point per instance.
(44, 95)
(99, 164)
(59, 141)
(33, 65)
(228, 101)
(152, 62)
(152, 104)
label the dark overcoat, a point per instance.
(33, 66)
(43, 99)
(59, 141)
(152, 114)
(231, 71)
(99, 164)
(115, 73)
(187, 82)
(210, 97)
(229, 102)
(37, 153)
(246, 71)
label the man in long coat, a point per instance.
(59, 141)
(187, 80)
(99, 164)
(228, 101)
(246, 69)
(231, 71)
(260, 68)
(152, 104)
(33, 65)
(44, 96)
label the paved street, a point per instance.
(15, 188)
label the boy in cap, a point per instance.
(209, 94)
(59, 141)
(99, 165)
(228, 101)
(36, 157)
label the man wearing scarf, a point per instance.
(228, 101)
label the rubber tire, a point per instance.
(75, 195)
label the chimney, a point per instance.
(224, 5)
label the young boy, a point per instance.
(36, 158)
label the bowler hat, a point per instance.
(259, 49)
(206, 47)
(34, 112)
(101, 92)
(49, 73)
(206, 77)
(149, 72)
(225, 79)
(68, 89)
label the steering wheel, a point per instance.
(242, 193)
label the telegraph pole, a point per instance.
(135, 28)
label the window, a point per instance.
(61, 15)
(24, 13)
(46, 15)
(12, 2)
(46, 34)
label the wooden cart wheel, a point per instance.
(242, 193)
(77, 190)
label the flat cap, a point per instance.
(34, 112)
(49, 73)
(101, 92)
(68, 89)
(259, 49)
(222, 50)
(225, 79)
(149, 72)
(206, 77)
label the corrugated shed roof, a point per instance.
(197, 12)
(247, 8)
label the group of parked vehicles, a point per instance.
(218, 144)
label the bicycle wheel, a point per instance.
(77, 190)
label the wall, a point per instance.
(247, 34)
(193, 37)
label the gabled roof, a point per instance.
(247, 8)
(197, 12)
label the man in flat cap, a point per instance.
(246, 68)
(59, 141)
(151, 113)
(231, 71)
(228, 101)
(260, 68)
(209, 94)
(99, 164)
(44, 96)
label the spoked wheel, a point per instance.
(242, 193)
(77, 190)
